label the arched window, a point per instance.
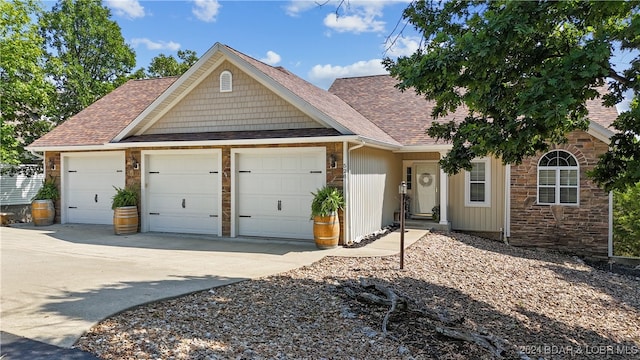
(558, 178)
(226, 81)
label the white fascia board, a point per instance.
(287, 94)
(184, 77)
(297, 140)
(600, 132)
(425, 148)
(68, 148)
(377, 144)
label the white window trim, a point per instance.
(222, 74)
(487, 185)
(557, 186)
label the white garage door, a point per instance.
(182, 192)
(89, 179)
(274, 192)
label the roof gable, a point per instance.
(319, 105)
(248, 107)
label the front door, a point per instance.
(425, 194)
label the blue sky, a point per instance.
(302, 36)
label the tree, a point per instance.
(24, 90)
(524, 71)
(626, 221)
(163, 65)
(87, 55)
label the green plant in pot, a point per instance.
(324, 213)
(435, 213)
(43, 210)
(125, 211)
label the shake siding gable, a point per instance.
(249, 107)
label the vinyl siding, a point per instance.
(19, 189)
(481, 219)
(373, 188)
(249, 107)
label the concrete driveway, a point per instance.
(60, 280)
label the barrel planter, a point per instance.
(43, 212)
(326, 231)
(125, 220)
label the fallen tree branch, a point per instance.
(377, 294)
(488, 342)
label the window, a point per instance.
(408, 179)
(558, 178)
(226, 81)
(477, 189)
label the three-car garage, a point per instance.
(264, 192)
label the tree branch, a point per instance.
(619, 78)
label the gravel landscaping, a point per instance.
(539, 304)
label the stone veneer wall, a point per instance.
(582, 230)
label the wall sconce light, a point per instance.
(134, 163)
(52, 164)
(333, 161)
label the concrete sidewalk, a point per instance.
(60, 280)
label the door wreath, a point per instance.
(425, 179)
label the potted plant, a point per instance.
(43, 210)
(125, 211)
(435, 213)
(324, 213)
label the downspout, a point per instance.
(507, 204)
(347, 172)
(610, 242)
(38, 156)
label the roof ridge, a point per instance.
(156, 78)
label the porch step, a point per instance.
(426, 225)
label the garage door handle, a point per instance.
(279, 205)
(245, 216)
(184, 204)
(315, 171)
(73, 207)
(95, 198)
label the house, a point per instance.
(16, 191)
(234, 147)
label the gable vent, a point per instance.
(226, 81)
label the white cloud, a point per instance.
(272, 58)
(126, 8)
(294, 8)
(206, 10)
(352, 16)
(402, 46)
(353, 23)
(156, 45)
(324, 75)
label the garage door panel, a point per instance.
(186, 223)
(182, 193)
(183, 203)
(89, 186)
(282, 227)
(162, 183)
(274, 189)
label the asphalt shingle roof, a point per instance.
(406, 116)
(100, 122)
(368, 106)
